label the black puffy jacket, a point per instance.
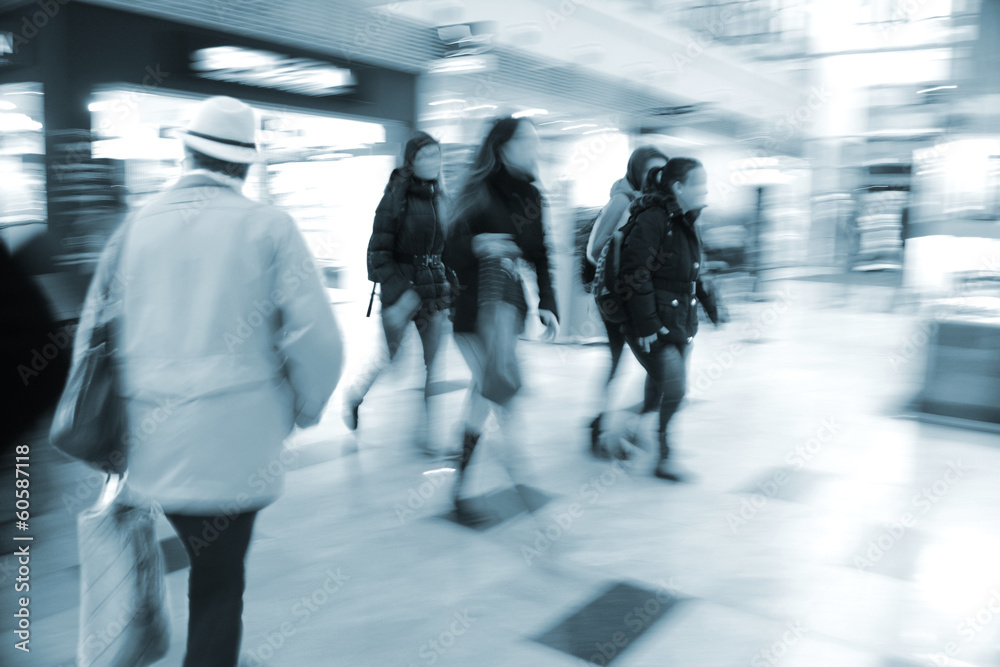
(661, 268)
(408, 241)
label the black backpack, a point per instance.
(608, 292)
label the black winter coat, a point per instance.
(661, 268)
(408, 228)
(510, 206)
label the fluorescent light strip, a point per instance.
(931, 90)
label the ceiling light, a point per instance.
(462, 64)
(527, 113)
(452, 100)
(931, 90)
(579, 127)
(603, 129)
(480, 106)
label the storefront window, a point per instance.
(327, 172)
(22, 163)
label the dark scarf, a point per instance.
(421, 188)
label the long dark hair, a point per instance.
(486, 164)
(635, 172)
(660, 180)
(658, 190)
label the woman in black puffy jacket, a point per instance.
(405, 258)
(661, 265)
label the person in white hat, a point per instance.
(228, 341)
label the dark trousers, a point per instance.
(616, 341)
(666, 367)
(215, 585)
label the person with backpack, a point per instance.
(613, 217)
(659, 276)
(405, 258)
(498, 223)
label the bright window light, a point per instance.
(527, 113)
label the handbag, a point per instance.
(499, 323)
(89, 422)
(124, 614)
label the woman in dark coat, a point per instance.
(405, 258)
(661, 262)
(613, 216)
(498, 220)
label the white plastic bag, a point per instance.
(124, 616)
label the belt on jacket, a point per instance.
(681, 286)
(418, 260)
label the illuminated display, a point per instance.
(265, 69)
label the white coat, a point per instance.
(228, 340)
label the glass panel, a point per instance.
(327, 172)
(22, 163)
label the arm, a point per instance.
(531, 238)
(309, 341)
(607, 223)
(641, 253)
(382, 266)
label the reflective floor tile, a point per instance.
(604, 629)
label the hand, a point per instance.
(495, 245)
(403, 309)
(721, 315)
(646, 342)
(551, 323)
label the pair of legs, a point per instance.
(429, 325)
(651, 394)
(478, 410)
(666, 365)
(215, 586)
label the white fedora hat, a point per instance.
(223, 128)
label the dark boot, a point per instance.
(351, 412)
(664, 470)
(469, 442)
(595, 439)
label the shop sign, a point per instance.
(266, 69)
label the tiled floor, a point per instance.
(820, 528)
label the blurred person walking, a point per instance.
(27, 327)
(227, 341)
(405, 258)
(661, 262)
(498, 222)
(613, 217)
